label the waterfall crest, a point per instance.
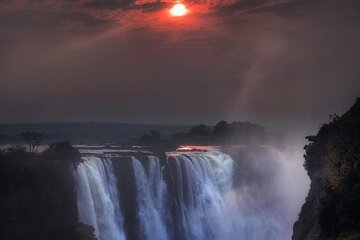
(181, 199)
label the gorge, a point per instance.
(192, 193)
(185, 195)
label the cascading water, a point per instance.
(202, 180)
(98, 198)
(150, 189)
(186, 196)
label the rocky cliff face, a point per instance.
(332, 160)
(37, 196)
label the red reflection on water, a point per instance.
(196, 148)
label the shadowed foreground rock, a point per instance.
(38, 200)
(332, 160)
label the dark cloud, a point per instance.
(264, 6)
(108, 4)
(148, 6)
(290, 8)
(93, 12)
(243, 6)
(279, 63)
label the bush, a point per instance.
(62, 151)
(16, 152)
(349, 236)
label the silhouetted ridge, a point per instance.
(332, 159)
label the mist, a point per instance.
(284, 65)
(270, 187)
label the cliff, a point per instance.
(332, 160)
(37, 195)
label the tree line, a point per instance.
(223, 133)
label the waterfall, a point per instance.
(203, 179)
(192, 195)
(182, 199)
(98, 198)
(150, 188)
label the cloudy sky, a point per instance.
(275, 62)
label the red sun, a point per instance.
(178, 10)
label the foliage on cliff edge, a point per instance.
(332, 161)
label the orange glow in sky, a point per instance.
(178, 10)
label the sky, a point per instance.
(280, 63)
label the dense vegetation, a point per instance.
(83, 133)
(134, 134)
(332, 159)
(223, 133)
(37, 195)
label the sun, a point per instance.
(178, 10)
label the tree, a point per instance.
(151, 138)
(32, 139)
(155, 135)
(200, 133)
(62, 151)
(221, 131)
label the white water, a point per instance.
(98, 198)
(203, 181)
(190, 197)
(150, 192)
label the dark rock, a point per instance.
(332, 159)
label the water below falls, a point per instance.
(190, 196)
